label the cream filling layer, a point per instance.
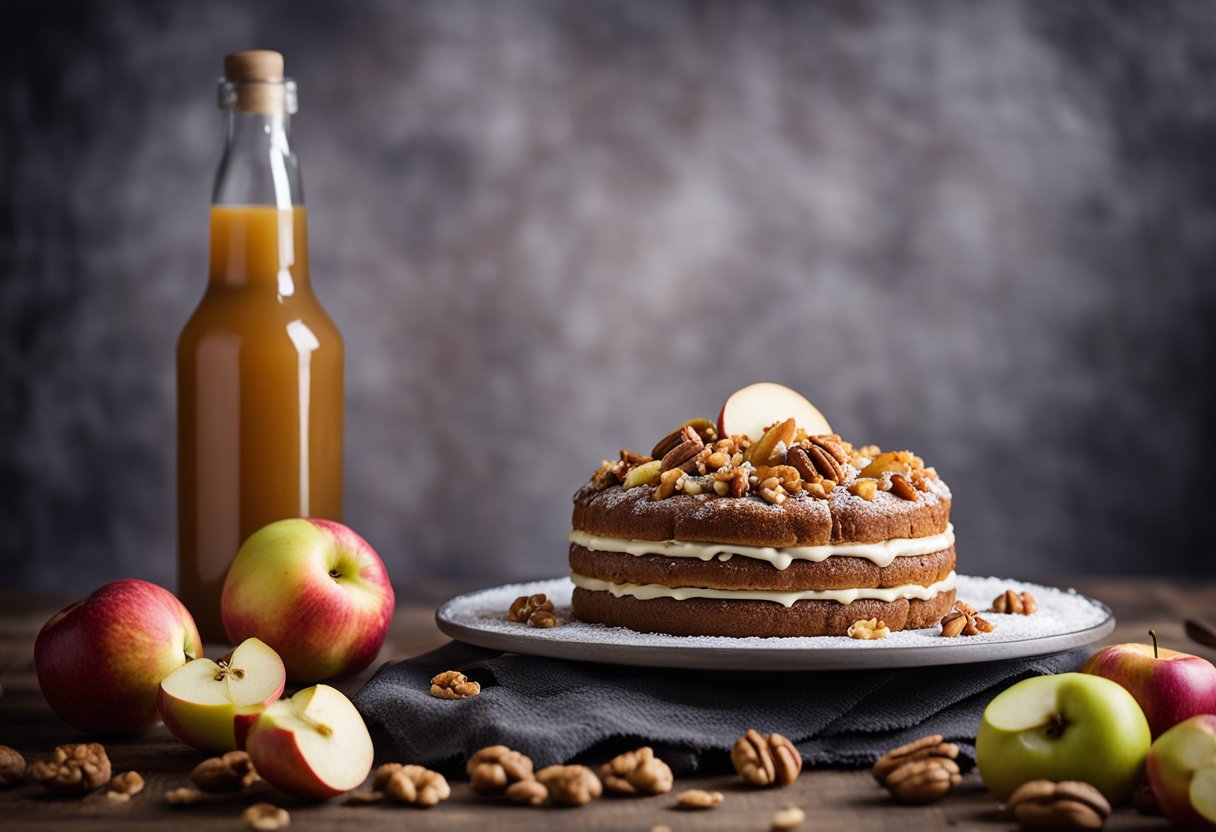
(648, 592)
(882, 554)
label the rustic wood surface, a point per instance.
(832, 799)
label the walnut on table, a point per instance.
(1071, 804)
(529, 792)
(494, 768)
(417, 786)
(73, 769)
(766, 761)
(570, 785)
(12, 767)
(698, 799)
(919, 772)
(637, 772)
(230, 772)
(265, 817)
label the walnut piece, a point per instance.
(1071, 804)
(964, 620)
(1015, 603)
(417, 786)
(869, 628)
(570, 785)
(265, 817)
(536, 609)
(183, 796)
(919, 772)
(637, 772)
(127, 784)
(452, 684)
(791, 817)
(529, 792)
(73, 769)
(12, 767)
(765, 761)
(494, 768)
(229, 772)
(698, 799)
(667, 484)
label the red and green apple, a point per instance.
(1182, 771)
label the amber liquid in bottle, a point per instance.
(259, 364)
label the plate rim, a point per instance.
(770, 658)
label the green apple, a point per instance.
(211, 705)
(1072, 726)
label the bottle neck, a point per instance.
(257, 166)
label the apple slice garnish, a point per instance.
(202, 701)
(750, 410)
(313, 745)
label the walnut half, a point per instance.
(417, 786)
(1071, 804)
(228, 772)
(637, 772)
(765, 761)
(496, 767)
(12, 767)
(452, 684)
(74, 769)
(570, 785)
(919, 772)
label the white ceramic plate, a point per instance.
(1065, 620)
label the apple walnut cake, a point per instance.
(789, 534)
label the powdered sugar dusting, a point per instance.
(1061, 612)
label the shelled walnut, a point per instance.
(1015, 603)
(919, 772)
(765, 761)
(791, 817)
(570, 785)
(698, 799)
(494, 768)
(869, 628)
(229, 772)
(536, 610)
(452, 684)
(1071, 804)
(964, 620)
(73, 769)
(12, 767)
(265, 817)
(529, 792)
(122, 787)
(637, 772)
(417, 786)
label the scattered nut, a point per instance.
(866, 489)
(903, 489)
(570, 785)
(869, 628)
(637, 772)
(452, 684)
(73, 769)
(662, 827)
(12, 767)
(536, 610)
(529, 792)
(383, 774)
(1042, 804)
(919, 772)
(788, 818)
(183, 796)
(265, 817)
(698, 799)
(229, 772)
(765, 761)
(128, 784)
(964, 620)
(1015, 603)
(365, 798)
(417, 786)
(494, 768)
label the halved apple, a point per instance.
(1182, 771)
(753, 408)
(210, 705)
(313, 745)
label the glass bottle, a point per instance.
(259, 363)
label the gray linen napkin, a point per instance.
(559, 711)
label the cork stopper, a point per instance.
(256, 79)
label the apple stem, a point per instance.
(1153, 633)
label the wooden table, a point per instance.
(832, 799)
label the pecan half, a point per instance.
(825, 463)
(703, 429)
(683, 456)
(637, 772)
(417, 786)
(570, 785)
(919, 772)
(73, 769)
(229, 772)
(765, 761)
(494, 768)
(12, 767)
(798, 459)
(698, 799)
(1015, 603)
(903, 489)
(1071, 804)
(265, 817)
(964, 620)
(452, 684)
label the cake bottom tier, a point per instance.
(742, 618)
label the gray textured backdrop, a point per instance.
(548, 230)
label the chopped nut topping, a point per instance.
(698, 799)
(684, 455)
(265, 817)
(964, 620)
(765, 761)
(869, 628)
(667, 484)
(494, 768)
(1015, 603)
(73, 769)
(227, 773)
(183, 796)
(452, 684)
(12, 767)
(537, 610)
(417, 786)
(866, 489)
(570, 785)
(788, 818)
(1071, 804)
(919, 772)
(529, 792)
(128, 784)
(637, 772)
(901, 488)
